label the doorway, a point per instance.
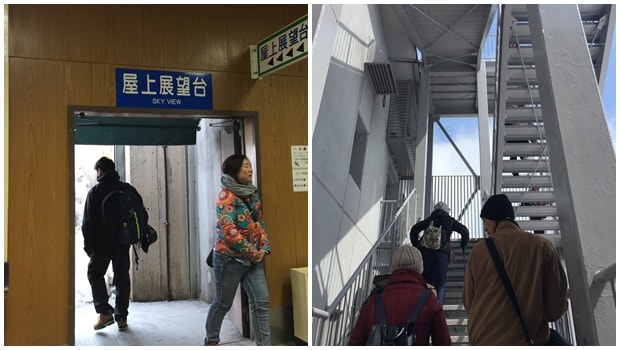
(178, 182)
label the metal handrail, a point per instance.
(600, 279)
(608, 274)
(332, 312)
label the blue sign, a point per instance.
(159, 89)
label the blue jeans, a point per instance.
(436, 270)
(228, 274)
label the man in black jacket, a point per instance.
(102, 246)
(436, 258)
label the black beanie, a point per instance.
(497, 208)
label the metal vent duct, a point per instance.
(382, 79)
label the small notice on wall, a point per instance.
(299, 157)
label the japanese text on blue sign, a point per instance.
(160, 89)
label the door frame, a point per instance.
(249, 134)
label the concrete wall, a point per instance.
(66, 55)
(213, 145)
(346, 216)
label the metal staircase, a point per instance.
(456, 316)
(522, 162)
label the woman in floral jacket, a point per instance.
(239, 251)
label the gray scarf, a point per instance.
(240, 190)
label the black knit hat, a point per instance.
(497, 208)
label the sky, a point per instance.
(464, 131)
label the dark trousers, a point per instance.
(436, 270)
(97, 267)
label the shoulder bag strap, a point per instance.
(379, 309)
(419, 305)
(508, 286)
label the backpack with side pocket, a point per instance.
(403, 334)
(125, 216)
(431, 239)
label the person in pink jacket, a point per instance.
(403, 289)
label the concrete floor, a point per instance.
(155, 323)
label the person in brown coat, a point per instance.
(404, 287)
(534, 270)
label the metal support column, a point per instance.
(428, 189)
(422, 158)
(507, 23)
(119, 161)
(583, 163)
(483, 131)
(611, 23)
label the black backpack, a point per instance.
(125, 216)
(403, 334)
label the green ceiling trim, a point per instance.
(97, 130)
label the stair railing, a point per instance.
(544, 152)
(599, 281)
(335, 323)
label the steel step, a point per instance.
(518, 56)
(524, 132)
(526, 181)
(531, 197)
(523, 114)
(543, 210)
(454, 295)
(518, 75)
(525, 166)
(524, 149)
(459, 339)
(455, 283)
(457, 322)
(534, 225)
(453, 307)
(522, 95)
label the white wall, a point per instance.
(345, 218)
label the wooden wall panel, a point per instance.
(222, 100)
(40, 193)
(195, 37)
(61, 55)
(130, 36)
(87, 32)
(103, 85)
(282, 122)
